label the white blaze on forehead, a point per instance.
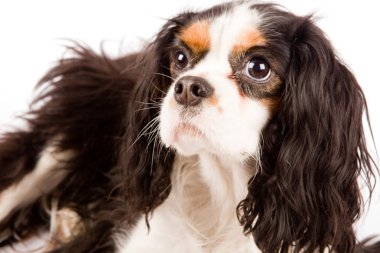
(226, 30)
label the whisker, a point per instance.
(146, 103)
(167, 68)
(144, 130)
(160, 74)
(154, 147)
(147, 108)
(157, 87)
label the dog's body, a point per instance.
(236, 121)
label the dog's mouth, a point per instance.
(188, 139)
(189, 130)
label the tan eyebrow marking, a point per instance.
(248, 39)
(197, 36)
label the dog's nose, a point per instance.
(191, 90)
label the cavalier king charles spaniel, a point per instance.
(237, 129)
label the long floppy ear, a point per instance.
(146, 164)
(306, 196)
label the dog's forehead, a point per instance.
(234, 29)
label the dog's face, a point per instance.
(225, 85)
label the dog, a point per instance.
(237, 129)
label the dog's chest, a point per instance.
(199, 215)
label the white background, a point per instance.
(32, 34)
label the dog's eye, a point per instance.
(180, 60)
(258, 69)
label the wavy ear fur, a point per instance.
(306, 195)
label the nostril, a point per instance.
(178, 89)
(200, 90)
(196, 90)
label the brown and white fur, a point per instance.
(237, 129)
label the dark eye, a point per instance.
(180, 60)
(258, 69)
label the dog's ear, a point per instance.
(146, 164)
(306, 195)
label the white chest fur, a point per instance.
(199, 215)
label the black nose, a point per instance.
(191, 90)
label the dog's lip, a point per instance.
(189, 129)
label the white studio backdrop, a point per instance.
(33, 33)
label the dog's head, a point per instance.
(226, 83)
(253, 80)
